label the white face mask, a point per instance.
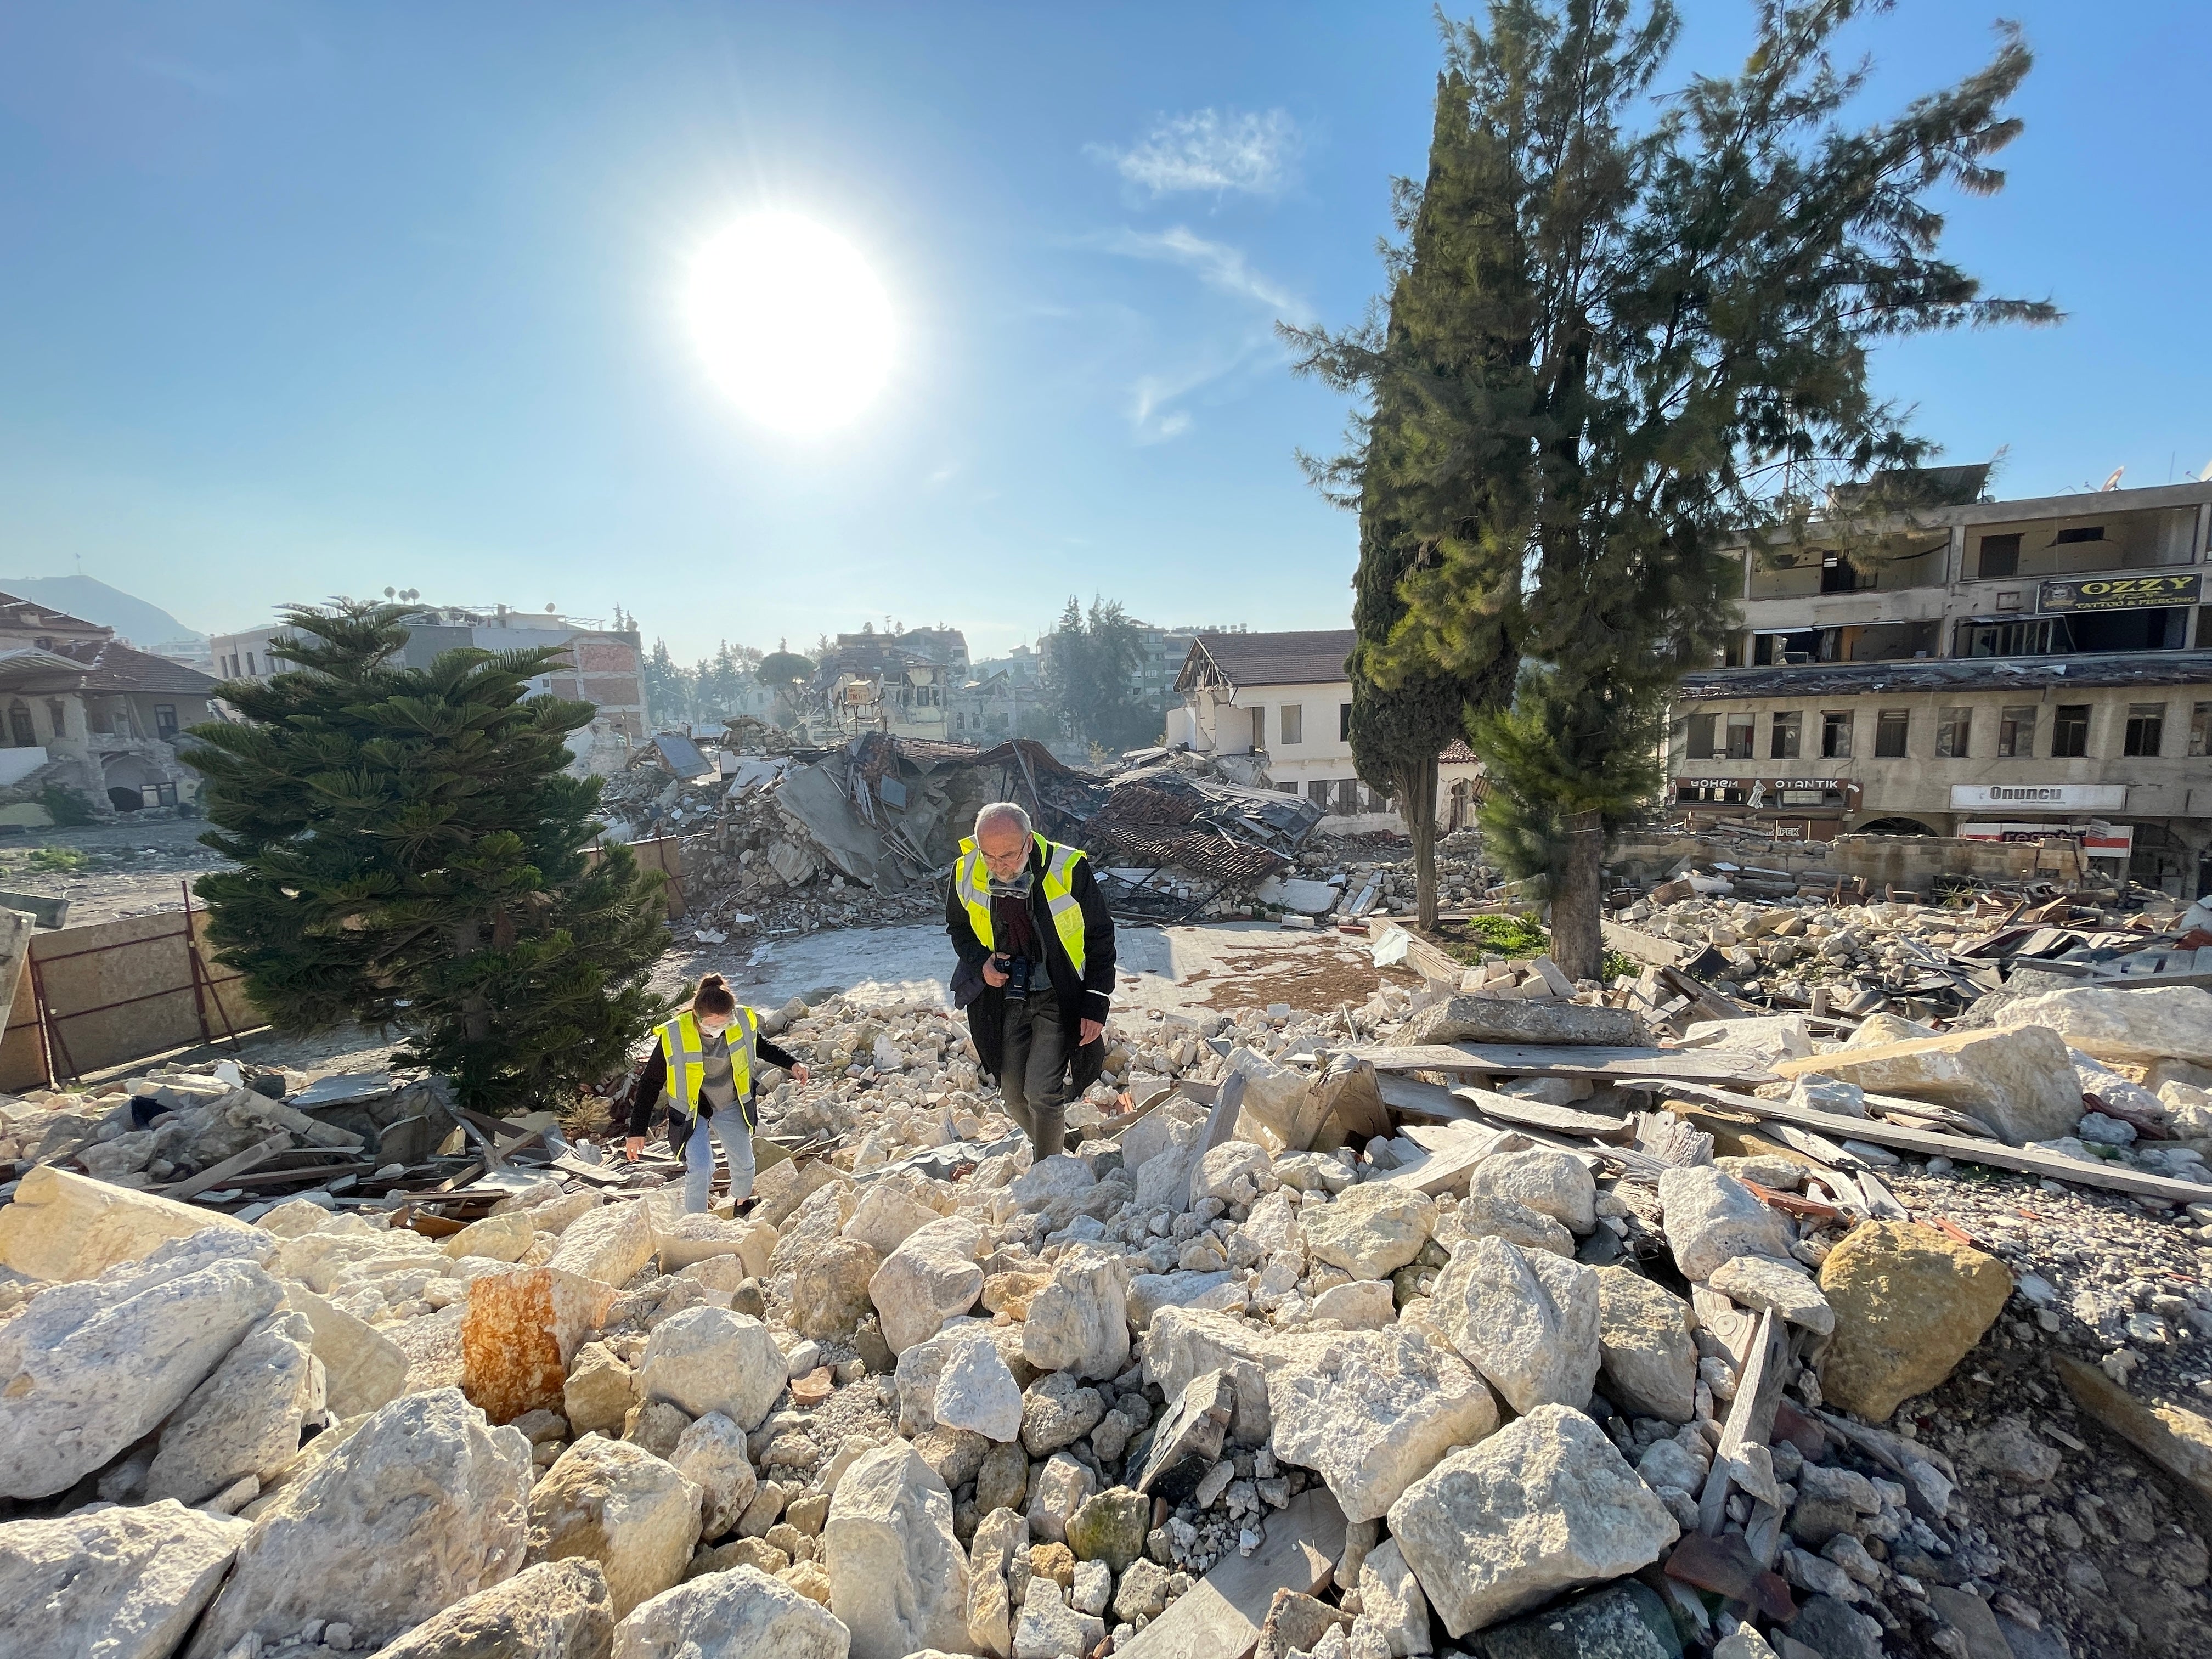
(714, 1027)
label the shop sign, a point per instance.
(2120, 593)
(2055, 797)
(2099, 840)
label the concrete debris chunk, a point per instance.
(121, 1581)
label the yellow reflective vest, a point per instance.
(684, 1050)
(971, 880)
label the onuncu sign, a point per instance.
(2052, 796)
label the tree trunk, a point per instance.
(1577, 937)
(1417, 805)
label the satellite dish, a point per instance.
(2205, 476)
(2112, 483)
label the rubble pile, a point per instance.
(1453, 1324)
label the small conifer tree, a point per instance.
(412, 856)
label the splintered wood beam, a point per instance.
(1750, 1415)
(236, 1164)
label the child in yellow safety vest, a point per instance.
(703, 1066)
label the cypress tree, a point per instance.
(1703, 278)
(412, 856)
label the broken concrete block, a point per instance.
(95, 1366)
(611, 1243)
(609, 1502)
(1552, 1183)
(554, 1610)
(1710, 1216)
(362, 1368)
(1495, 1019)
(423, 1505)
(1648, 1357)
(898, 1577)
(739, 1614)
(1528, 1323)
(2171, 1022)
(121, 1581)
(1370, 1231)
(711, 1455)
(598, 1393)
(1079, 1322)
(1372, 1411)
(931, 1278)
(2018, 1082)
(497, 1237)
(1544, 1504)
(61, 1227)
(710, 1360)
(246, 1418)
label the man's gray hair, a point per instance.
(1001, 811)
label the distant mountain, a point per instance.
(146, 626)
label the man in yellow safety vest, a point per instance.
(1037, 967)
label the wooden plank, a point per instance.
(1642, 946)
(1566, 1060)
(1406, 1094)
(237, 1163)
(1561, 1120)
(311, 1175)
(1462, 1146)
(1220, 1616)
(1750, 1415)
(1732, 1326)
(1928, 1144)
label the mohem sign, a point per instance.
(2055, 796)
(2120, 593)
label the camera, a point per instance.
(1017, 970)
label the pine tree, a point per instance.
(1087, 677)
(1693, 285)
(414, 857)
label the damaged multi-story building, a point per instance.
(88, 713)
(1989, 669)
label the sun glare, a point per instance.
(793, 325)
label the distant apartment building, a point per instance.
(1284, 701)
(602, 666)
(1990, 670)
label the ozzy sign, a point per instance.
(2120, 593)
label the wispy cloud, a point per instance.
(1218, 266)
(1210, 150)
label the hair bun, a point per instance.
(714, 980)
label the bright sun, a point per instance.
(793, 325)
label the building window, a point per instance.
(18, 725)
(1260, 729)
(1292, 724)
(1788, 734)
(1953, 729)
(1740, 730)
(2146, 728)
(1377, 801)
(57, 717)
(1836, 735)
(249, 666)
(1344, 722)
(2016, 733)
(1347, 797)
(1317, 791)
(2070, 730)
(1286, 788)
(1703, 744)
(1890, 730)
(165, 722)
(165, 795)
(2199, 730)
(1999, 558)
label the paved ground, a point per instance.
(133, 868)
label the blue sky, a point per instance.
(298, 300)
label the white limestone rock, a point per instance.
(1371, 1230)
(742, 1613)
(1543, 1505)
(976, 1391)
(1648, 1356)
(362, 1368)
(898, 1577)
(1552, 1183)
(246, 1418)
(2173, 1022)
(120, 1583)
(1056, 1491)
(1371, 1411)
(87, 1369)
(611, 1243)
(1049, 1628)
(710, 1452)
(710, 1360)
(1527, 1322)
(1390, 1598)
(62, 1227)
(1710, 1216)
(931, 1278)
(887, 1217)
(1080, 1322)
(1364, 1305)
(554, 1610)
(618, 1504)
(420, 1506)
(1216, 1173)
(1221, 1291)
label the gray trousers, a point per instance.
(1033, 1071)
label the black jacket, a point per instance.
(652, 1082)
(1086, 995)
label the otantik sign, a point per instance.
(2053, 797)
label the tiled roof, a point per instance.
(1298, 658)
(102, 666)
